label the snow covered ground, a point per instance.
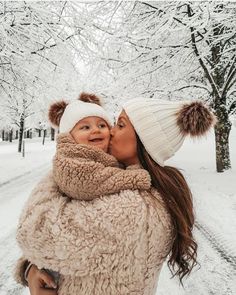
(18, 176)
(214, 199)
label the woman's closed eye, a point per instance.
(120, 124)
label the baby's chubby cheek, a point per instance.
(106, 146)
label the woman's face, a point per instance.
(123, 144)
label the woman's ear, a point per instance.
(56, 111)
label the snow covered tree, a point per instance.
(218, 64)
(120, 49)
(175, 49)
(37, 55)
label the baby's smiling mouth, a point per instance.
(96, 140)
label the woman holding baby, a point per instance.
(102, 228)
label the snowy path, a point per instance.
(13, 195)
(216, 275)
(218, 243)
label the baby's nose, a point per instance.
(96, 129)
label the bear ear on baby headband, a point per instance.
(89, 97)
(195, 119)
(56, 111)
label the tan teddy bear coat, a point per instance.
(112, 244)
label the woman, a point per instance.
(138, 228)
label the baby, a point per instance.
(82, 168)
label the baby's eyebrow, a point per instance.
(82, 123)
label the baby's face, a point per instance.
(92, 131)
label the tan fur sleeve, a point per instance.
(82, 172)
(20, 270)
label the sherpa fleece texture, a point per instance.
(111, 245)
(85, 172)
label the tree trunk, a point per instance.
(3, 135)
(52, 133)
(44, 135)
(23, 148)
(10, 135)
(17, 134)
(21, 133)
(222, 131)
(40, 132)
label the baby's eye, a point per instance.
(102, 125)
(85, 127)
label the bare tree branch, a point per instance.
(206, 71)
(229, 78)
(193, 86)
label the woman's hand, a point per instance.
(40, 282)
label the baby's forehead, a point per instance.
(92, 119)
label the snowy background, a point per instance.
(214, 199)
(174, 50)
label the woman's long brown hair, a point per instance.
(177, 197)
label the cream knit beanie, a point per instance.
(78, 110)
(163, 125)
(65, 115)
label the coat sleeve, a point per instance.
(85, 179)
(81, 238)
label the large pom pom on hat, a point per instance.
(67, 115)
(56, 111)
(195, 119)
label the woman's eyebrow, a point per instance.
(121, 117)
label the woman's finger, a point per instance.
(47, 279)
(37, 280)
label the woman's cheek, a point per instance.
(114, 152)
